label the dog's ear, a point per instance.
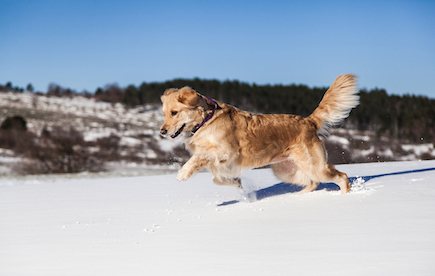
(188, 96)
(167, 92)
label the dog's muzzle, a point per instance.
(164, 131)
(178, 132)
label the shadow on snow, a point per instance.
(285, 188)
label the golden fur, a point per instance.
(234, 140)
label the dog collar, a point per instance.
(195, 129)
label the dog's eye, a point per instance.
(173, 113)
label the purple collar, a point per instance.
(195, 129)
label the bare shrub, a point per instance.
(112, 94)
(58, 151)
(108, 147)
(337, 154)
(14, 140)
(13, 133)
(14, 123)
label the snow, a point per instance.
(93, 136)
(419, 149)
(153, 225)
(130, 141)
(365, 152)
(339, 140)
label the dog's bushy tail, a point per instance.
(336, 104)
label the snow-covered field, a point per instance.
(153, 225)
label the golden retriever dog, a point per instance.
(228, 141)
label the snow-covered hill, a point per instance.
(156, 226)
(137, 128)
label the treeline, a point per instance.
(407, 118)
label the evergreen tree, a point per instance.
(29, 88)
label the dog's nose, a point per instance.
(163, 131)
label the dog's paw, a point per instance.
(183, 175)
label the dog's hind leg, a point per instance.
(310, 188)
(315, 167)
(289, 172)
(338, 178)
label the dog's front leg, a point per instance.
(192, 167)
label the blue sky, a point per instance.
(87, 44)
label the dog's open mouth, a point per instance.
(178, 132)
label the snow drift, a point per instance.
(153, 225)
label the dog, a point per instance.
(228, 141)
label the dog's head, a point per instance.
(183, 109)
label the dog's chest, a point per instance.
(202, 143)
